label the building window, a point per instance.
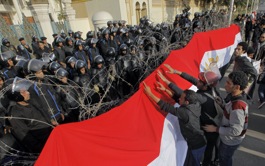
(138, 12)
(7, 18)
(144, 10)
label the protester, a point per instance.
(243, 63)
(235, 120)
(188, 114)
(206, 90)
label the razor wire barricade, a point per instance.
(155, 49)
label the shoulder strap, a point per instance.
(219, 110)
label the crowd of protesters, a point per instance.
(44, 85)
(253, 33)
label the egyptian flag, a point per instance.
(138, 133)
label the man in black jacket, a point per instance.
(189, 115)
(243, 63)
(209, 114)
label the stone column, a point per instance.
(41, 15)
(69, 12)
(15, 2)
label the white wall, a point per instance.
(81, 24)
(110, 6)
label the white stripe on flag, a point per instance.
(222, 56)
(173, 148)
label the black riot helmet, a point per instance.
(99, 33)
(70, 59)
(105, 32)
(61, 73)
(70, 32)
(196, 14)
(196, 24)
(79, 64)
(123, 48)
(139, 31)
(63, 35)
(111, 52)
(67, 39)
(124, 30)
(5, 41)
(17, 85)
(20, 65)
(99, 59)
(113, 30)
(110, 23)
(78, 43)
(59, 40)
(164, 26)
(34, 38)
(89, 34)
(92, 41)
(129, 42)
(115, 23)
(53, 67)
(133, 29)
(7, 55)
(34, 65)
(48, 57)
(77, 35)
(133, 47)
(177, 16)
(142, 20)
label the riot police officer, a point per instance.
(7, 62)
(123, 68)
(80, 54)
(24, 49)
(69, 96)
(6, 46)
(42, 92)
(69, 47)
(92, 51)
(59, 51)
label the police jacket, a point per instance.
(103, 46)
(261, 53)
(39, 52)
(68, 95)
(34, 46)
(123, 64)
(100, 77)
(10, 48)
(81, 54)
(9, 72)
(59, 53)
(43, 95)
(32, 134)
(68, 50)
(92, 53)
(48, 46)
(243, 64)
(23, 51)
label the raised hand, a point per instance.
(161, 86)
(162, 77)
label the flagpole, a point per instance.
(230, 12)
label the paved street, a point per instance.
(252, 150)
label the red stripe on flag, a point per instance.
(131, 133)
